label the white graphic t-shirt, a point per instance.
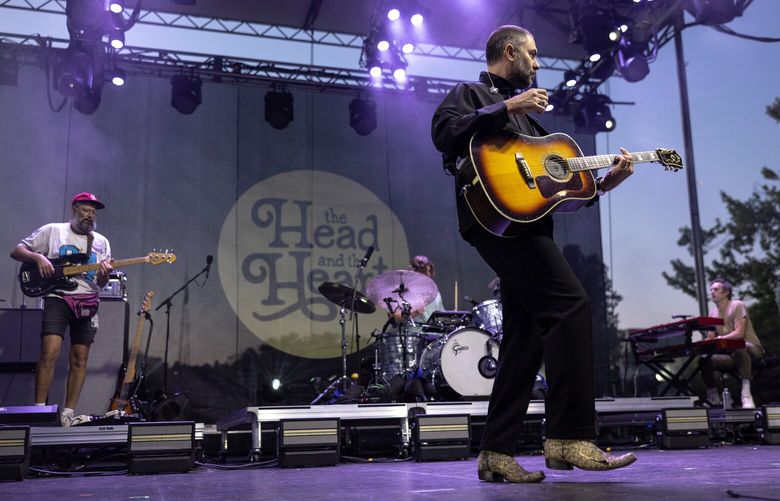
(59, 240)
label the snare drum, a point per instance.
(462, 364)
(390, 350)
(489, 315)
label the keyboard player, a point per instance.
(736, 325)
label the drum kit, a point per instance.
(452, 355)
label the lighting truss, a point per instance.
(275, 32)
(35, 50)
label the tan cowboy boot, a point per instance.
(495, 467)
(563, 454)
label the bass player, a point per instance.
(75, 309)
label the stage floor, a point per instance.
(748, 470)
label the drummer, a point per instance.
(422, 264)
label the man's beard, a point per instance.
(85, 226)
(521, 76)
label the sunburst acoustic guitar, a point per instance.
(516, 179)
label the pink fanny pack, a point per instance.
(82, 305)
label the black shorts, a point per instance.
(57, 317)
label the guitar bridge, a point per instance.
(525, 170)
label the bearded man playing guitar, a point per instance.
(546, 311)
(75, 309)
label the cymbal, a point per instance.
(342, 295)
(418, 289)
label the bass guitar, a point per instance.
(127, 385)
(515, 179)
(35, 285)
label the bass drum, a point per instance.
(461, 364)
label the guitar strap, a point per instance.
(90, 239)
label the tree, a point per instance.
(749, 256)
(773, 110)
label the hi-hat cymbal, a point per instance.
(402, 285)
(342, 296)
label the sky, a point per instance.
(730, 83)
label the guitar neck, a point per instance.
(84, 268)
(130, 374)
(600, 161)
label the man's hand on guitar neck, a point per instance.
(528, 102)
(623, 168)
(102, 274)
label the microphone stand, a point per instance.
(163, 393)
(361, 266)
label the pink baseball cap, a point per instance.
(87, 197)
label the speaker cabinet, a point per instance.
(106, 356)
(20, 341)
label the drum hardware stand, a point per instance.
(342, 381)
(360, 267)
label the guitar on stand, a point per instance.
(515, 179)
(125, 399)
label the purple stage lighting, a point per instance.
(117, 39)
(399, 75)
(393, 14)
(117, 77)
(383, 45)
(375, 71)
(116, 6)
(407, 48)
(417, 19)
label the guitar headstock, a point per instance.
(161, 257)
(147, 303)
(669, 158)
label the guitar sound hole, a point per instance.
(556, 167)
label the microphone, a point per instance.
(364, 261)
(209, 260)
(469, 300)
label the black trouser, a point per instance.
(546, 318)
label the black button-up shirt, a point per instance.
(468, 108)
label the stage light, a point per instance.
(375, 71)
(614, 35)
(441, 437)
(14, 452)
(164, 447)
(276, 384)
(362, 116)
(117, 76)
(593, 114)
(631, 61)
(309, 442)
(116, 38)
(116, 6)
(594, 57)
(595, 29)
(417, 19)
(278, 108)
(407, 48)
(186, 93)
(393, 14)
(88, 101)
(399, 75)
(549, 107)
(383, 45)
(86, 19)
(623, 28)
(714, 12)
(570, 77)
(683, 428)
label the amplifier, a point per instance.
(116, 287)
